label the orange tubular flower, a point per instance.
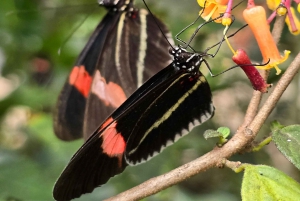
(255, 16)
(213, 9)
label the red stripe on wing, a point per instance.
(81, 80)
(106, 123)
(113, 143)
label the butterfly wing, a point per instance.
(167, 106)
(102, 155)
(135, 50)
(69, 112)
(182, 105)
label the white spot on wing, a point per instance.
(197, 122)
(184, 131)
(191, 126)
(204, 117)
(169, 142)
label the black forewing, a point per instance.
(90, 167)
(155, 82)
(69, 113)
(182, 105)
(129, 61)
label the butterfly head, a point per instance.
(115, 5)
(184, 60)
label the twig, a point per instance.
(277, 93)
(278, 27)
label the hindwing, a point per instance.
(70, 107)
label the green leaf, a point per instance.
(287, 141)
(267, 183)
(224, 131)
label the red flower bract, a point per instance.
(241, 58)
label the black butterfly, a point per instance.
(162, 110)
(166, 107)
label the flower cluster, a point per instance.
(256, 18)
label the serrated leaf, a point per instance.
(287, 140)
(263, 182)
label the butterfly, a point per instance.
(125, 50)
(163, 109)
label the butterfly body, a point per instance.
(163, 109)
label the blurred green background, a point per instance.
(39, 43)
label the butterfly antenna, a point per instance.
(158, 25)
(238, 4)
(223, 39)
(205, 52)
(183, 30)
(201, 25)
(73, 31)
(221, 42)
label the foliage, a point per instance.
(262, 182)
(287, 140)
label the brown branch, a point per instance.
(277, 93)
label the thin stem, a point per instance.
(262, 144)
(278, 27)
